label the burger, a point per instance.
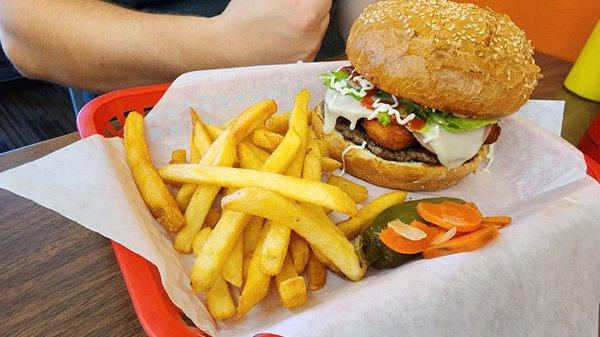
(419, 106)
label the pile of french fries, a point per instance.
(272, 220)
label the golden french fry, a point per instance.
(260, 153)
(316, 272)
(232, 223)
(212, 217)
(178, 157)
(250, 119)
(291, 287)
(214, 132)
(357, 192)
(256, 286)
(232, 269)
(323, 235)
(329, 165)
(200, 140)
(324, 148)
(155, 193)
(202, 200)
(299, 251)
(276, 243)
(245, 267)
(278, 123)
(238, 128)
(219, 302)
(353, 226)
(186, 192)
(284, 154)
(200, 239)
(252, 234)
(218, 298)
(302, 190)
(325, 261)
(266, 139)
(215, 252)
(247, 158)
(274, 248)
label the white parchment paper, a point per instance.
(539, 278)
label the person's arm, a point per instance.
(99, 46)
(347, 12)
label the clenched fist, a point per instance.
(273, 31)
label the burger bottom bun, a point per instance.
(409, 176)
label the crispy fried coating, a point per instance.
(393, 136)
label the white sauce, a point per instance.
(453, 148)
(338, 104)
(348, 149)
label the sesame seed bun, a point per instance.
(457, 58)
(408, 176)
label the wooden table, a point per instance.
(60, 279)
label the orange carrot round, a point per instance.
(463, 243)
(449, 214)
(402, 245)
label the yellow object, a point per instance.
(584, 78)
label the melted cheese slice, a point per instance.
(453, 148)
(337, 105)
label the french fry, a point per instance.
(354, 225)
(153, 190)
(212, 217)
(325, 261)
(214, 133)
(238, 128)
(278, 123)
(178, 157)
(357, 192)
(291, 287)
(232, 269)
(250, 119)
(299, 251)
(186, 192)
(329, 240)
(219, 302)
(252, 235)
(329, 165)
(256, 286)
(218, 298)
(302, 190)
(200, 239)
(210, 261)
(248, 158)
(324, 148)
(274, 247)
(200, 140)
(266, 139)
(316, 272)
(212, 257)
(202, 200)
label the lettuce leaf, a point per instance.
(384, 118)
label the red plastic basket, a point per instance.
(159, 317)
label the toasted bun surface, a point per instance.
(457, 58)
(409, 176)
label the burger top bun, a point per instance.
(458, 58)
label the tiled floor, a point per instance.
(33, 111)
